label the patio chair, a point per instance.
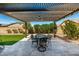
(49, 37)
(42, 44)
(34, 40)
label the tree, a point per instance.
(44, 28)
(15, 31)
(9, 31)
(37, 28)
(51, 26)
(55, 29)
(27, 28)
(21, 31)
(30, 28)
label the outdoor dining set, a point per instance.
(41, 41)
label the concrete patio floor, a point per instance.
(56, 47)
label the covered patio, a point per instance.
(28, 12)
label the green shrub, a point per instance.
(70, 29)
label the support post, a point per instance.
(55, 29)
(26, 30)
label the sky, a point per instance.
(44, 22)
(74, 17)
(8, 20)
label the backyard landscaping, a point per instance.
(10, 39)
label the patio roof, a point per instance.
(39, 11)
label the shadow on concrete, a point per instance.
(1, 48)
(24, 48)
(56, 47)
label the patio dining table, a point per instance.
(39, 38)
